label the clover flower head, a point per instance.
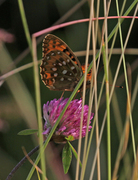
(70, 122)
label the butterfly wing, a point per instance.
(60, 69)
(59, 72)
(52, 42)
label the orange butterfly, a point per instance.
(60, 69)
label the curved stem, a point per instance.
(21, 163)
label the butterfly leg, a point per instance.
(80, 94)
(62, 94)
(77, 94)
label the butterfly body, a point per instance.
(60, 69)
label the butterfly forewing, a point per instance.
(60, 69)
(52, 42)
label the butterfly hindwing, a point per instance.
(59, 71)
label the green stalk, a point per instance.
(37, 85)
(38, 105)
(125, 74)
(108, 111)
(25, 25)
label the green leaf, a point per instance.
(28, 132)
(66, 157)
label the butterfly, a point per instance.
(60, 69)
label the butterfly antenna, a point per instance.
(100, 69)
(115, 85)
